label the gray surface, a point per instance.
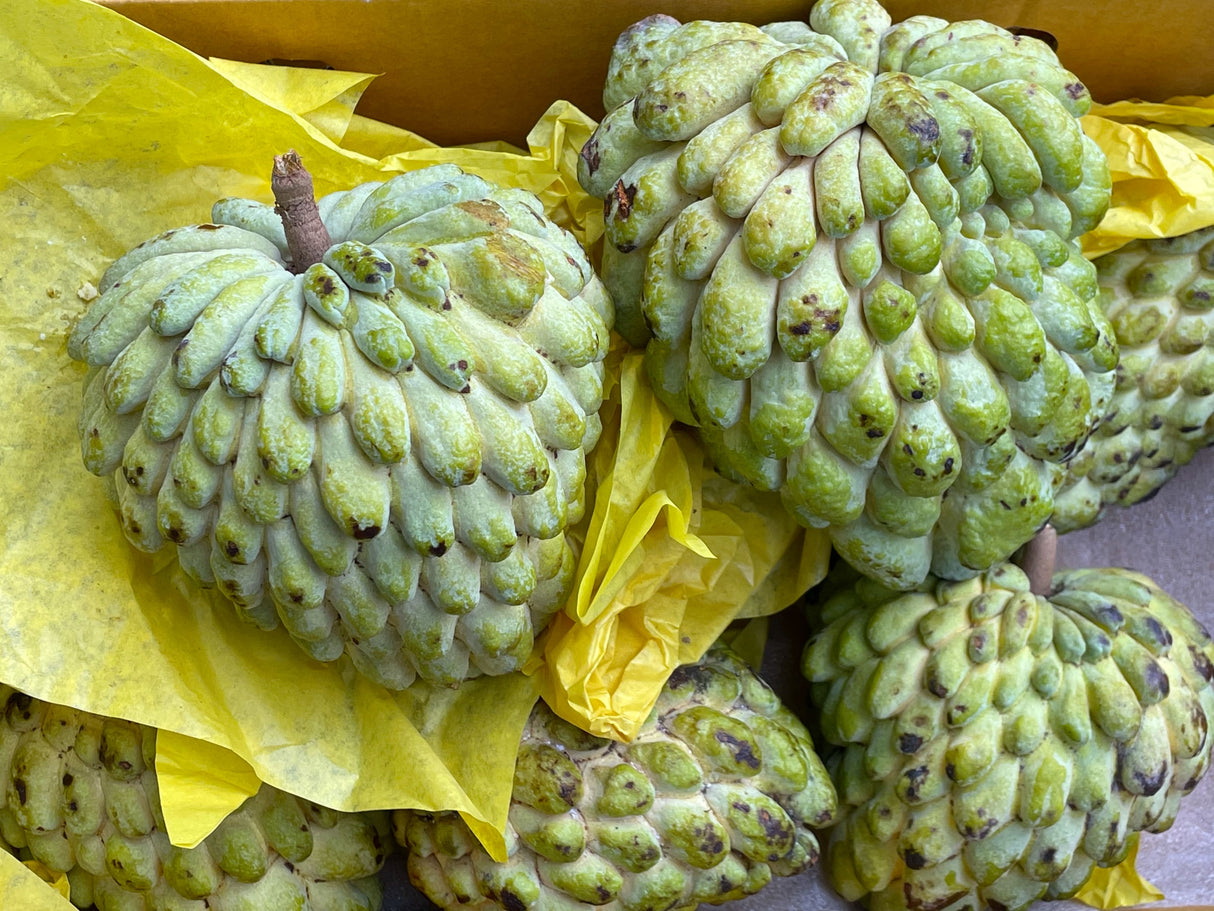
(1170, 538)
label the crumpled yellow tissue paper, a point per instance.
(110, 134)
(1120, 886)
(672, 556)
(1161, 157)
(29, 887)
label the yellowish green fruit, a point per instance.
(847, 247)
(717, 794)
(993, 745)
(81, 798)
(381, 449)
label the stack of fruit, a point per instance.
(848, 249)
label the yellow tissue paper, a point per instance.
(673, 555)
(1120, 886)
(110, 134)
(31, 887)
(1161, 157)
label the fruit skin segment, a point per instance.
(1159, 298)
(943, 160)
(992, 745)
(398, 429)
(716, 794)
(81, 798)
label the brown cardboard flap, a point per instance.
(461, 71)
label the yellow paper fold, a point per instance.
(24, 888)
(1161, 157)
(110, 134)
(1120, 886)
(673, 555)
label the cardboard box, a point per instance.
(459, 71)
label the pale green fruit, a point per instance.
(384, 452)
(1159, 297)
(715, 796)
(848, 250)
(994, 745)
(81, 798)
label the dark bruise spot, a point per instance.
(1023, 502)
(997, 905)
(915, 778)
(1202, 663)
(462, 364)
(917, 394)
(72, 806)
(682, 96)
(951, 771)
(948, 465)
(422, 259)
(910, 743)
(383, 266)
(914, 859)
(510, 901)
(788, 191)
(775, 828)
(297, 597)
(920, 473)
(231, 548)
(926, 129)
(1156, 422)
(906, 447)
(206, 228)
(363, 532)
(1048, 855)
(874, 433)
(590, 155)
(19, 787)
(742, 749)
(326, 285)
(943, 95)
(741, 807)
(437, 550)
(67, 779)
(1156, 679)
(801, 328)
(1005, 504)
(624, 196)
(1161, 635)
(625, 248)
(1075, 89)
(446, 304)
(1151, 783)
(936, 688)
(978, 640)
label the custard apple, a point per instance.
(716, 794)
(1159, 297)
(996, 745)
(81, 798)
(848, 248)
(382, 449)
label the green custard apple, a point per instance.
(81, 798)
(848, 248)
(1159, 297)
(715, 796)
(381, 449)
(995, 745)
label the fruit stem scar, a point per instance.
(295, 203)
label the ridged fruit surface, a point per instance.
(383, 452)
(995, 745)
(81, 798)
(1159, 298)
(714, 797)
(847, 247)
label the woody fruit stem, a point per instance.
(1037, 560)
(295, 203)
